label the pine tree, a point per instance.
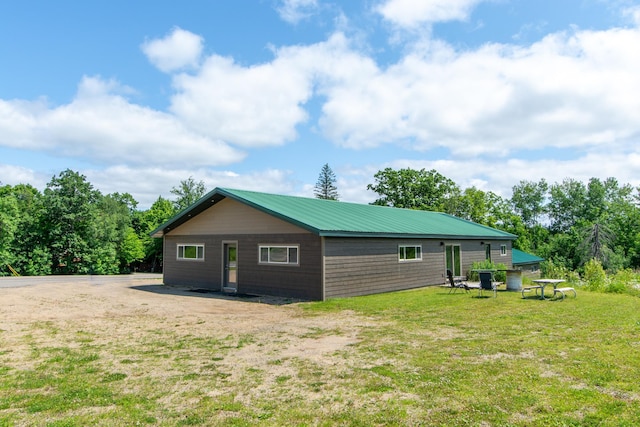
(326, 186)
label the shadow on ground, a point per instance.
(208, 293)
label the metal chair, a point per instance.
(455, 284)
(487, 283)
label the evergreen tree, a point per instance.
(326, 186)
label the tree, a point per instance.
(188, 193)
(68, 220)
(131, 249)
(8, 226)
(326, 185)
(415, 189)
(566, 204)
(31, 254)
(161, 210)
(528, 200)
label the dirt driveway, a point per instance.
(118, 308)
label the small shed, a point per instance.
(528, 263)
(268, 244)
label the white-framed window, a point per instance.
(410, 253)
(503, 250)
(190, 252)
(279, 254)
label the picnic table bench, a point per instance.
(540, 284)
(563, 291)
(531, 288)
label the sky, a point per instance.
(259, 94)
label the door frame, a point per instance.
(454, 270)
(224, 263)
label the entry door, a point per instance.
(230, 267)
(452, 257)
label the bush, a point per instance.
(594, 276)
(554, 270)
(499, 276)
(624, 281)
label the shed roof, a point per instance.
(520, 257)
(340, 219)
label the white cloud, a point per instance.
(145, 184)
(14, 175)
(104, 127)
(410, 14)
(572, 90)
(179, 49)
(633, 14)
(258, 105)
(294, 11)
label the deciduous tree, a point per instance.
(414, 189)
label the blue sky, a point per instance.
(260, 94)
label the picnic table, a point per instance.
(541, 284)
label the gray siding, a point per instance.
(302, 281)
(367, 266)
(362, 266)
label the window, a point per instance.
(273, 254)
(487, 251)
(409, 253)
(503, 250)
(191, 252)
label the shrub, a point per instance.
(624, 281)
(499, 276)
(553, 270)
(594, 276)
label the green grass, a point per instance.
(422, 358)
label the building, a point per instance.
(267, 244)
(528, 263)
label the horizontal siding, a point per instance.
(231, 217)
(366, 266)
(303, 281)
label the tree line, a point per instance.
(568, 223)
(72, 228)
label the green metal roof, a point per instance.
(520, 257)
(335, 219)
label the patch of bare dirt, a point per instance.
(268, 335)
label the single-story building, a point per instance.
(257, 243)
(528, 263)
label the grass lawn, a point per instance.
(422, 357)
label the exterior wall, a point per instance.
(362, 266)
(230, 221)
(301, 281)
(530, 270)
(475, 251)
(231, 217)
(359, 266)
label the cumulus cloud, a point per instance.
(294, 11)
(567, 90)
(104, 127)
(146, 184)
(179, 49)
(410, 13)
